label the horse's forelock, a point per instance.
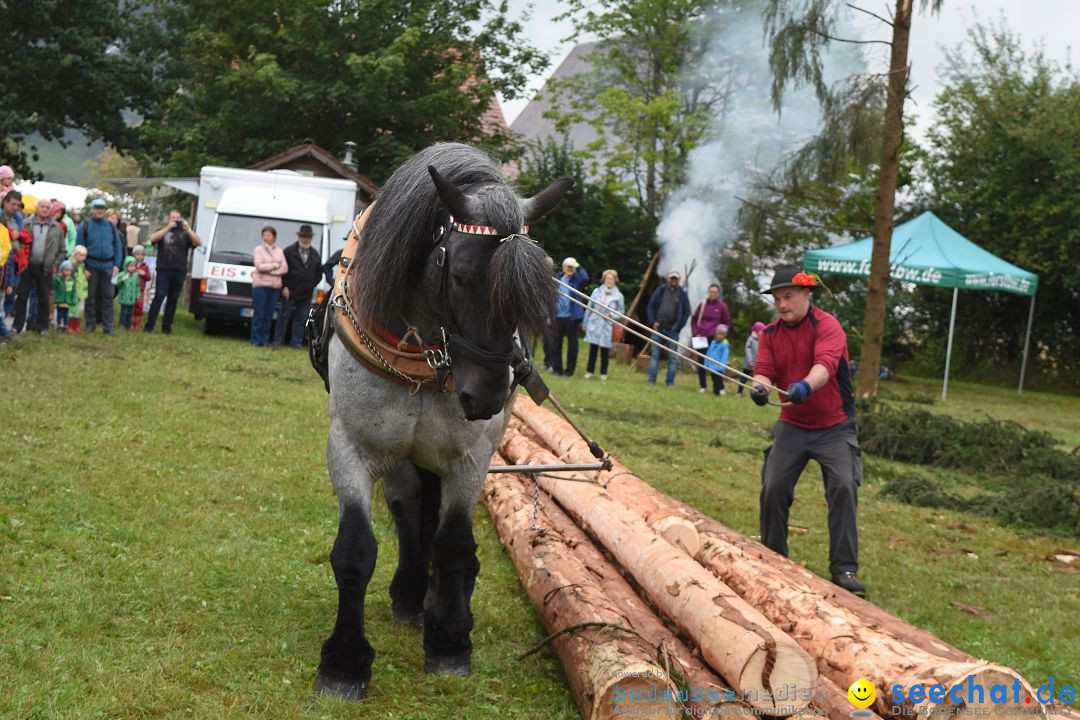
(398, 236)
(519, 279)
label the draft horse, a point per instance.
(443, 276)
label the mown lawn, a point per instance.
(166, 520)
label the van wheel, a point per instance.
(211, 326)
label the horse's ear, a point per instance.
(453, 199)
(545, 201)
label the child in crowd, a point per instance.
(65, 294)
(82, 288)
(144, 279)
(717, 356)
(127, 291)
(750, 350)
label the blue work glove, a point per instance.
(759, 394)
(798, 392)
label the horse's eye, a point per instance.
(459, 280)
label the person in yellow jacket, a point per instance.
(5, 246)
(5, 252)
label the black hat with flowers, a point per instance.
(787, 276)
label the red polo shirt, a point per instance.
(785, 356)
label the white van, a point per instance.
(234, 206)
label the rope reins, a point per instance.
(625, 322)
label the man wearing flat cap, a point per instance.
(667, 311)
(805, 352)
(305, 271)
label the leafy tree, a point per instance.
(794, 210)
(242, 80)
(799, 31)
(111, 164)
(652, 91)
(594, 223)
(1003, 166)
(66, 65)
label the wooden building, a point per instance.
(310, 159)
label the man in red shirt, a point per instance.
(805, 351)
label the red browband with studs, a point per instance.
(482, 229)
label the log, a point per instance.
(654, 505)
(605, 667)
(833, 702)
(850, 637)
(687, 670)
(536, 422)
(736, 640)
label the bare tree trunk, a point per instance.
(736, 640)
(874, 322)
(611, 652)
(570, 582)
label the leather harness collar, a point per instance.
(415, 365)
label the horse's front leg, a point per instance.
(448, 617)
(412, 494)
(345, 664)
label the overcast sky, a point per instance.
(1053, 23)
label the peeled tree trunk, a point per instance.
(767, 668)
(850, 637)
(603, 665)
(570, 582)
(665, 512)
(877, 292)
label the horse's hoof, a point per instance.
(460, 665)
(343, 689)
(414, 618)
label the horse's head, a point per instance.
(489, 284)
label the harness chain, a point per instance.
(344, 302)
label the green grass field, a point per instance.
(166, 521)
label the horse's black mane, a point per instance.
(398, 238)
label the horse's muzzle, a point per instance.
(480, 408)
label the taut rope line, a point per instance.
(622, 320)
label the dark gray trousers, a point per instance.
(837, 451)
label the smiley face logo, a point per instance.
(861, 693)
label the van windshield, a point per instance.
(236, 237)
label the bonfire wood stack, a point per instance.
(705, 604)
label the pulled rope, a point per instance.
(656, 343)
(624, 319)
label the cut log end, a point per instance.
(793, 681)
(680, 533)
(627, 688)
(1025, 704)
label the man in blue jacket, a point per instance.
(668, 311)
(104, 256)
(567, 321)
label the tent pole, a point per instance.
(948, 351)
(1027, 340)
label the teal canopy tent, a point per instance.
(926, 251)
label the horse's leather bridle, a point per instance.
(404, 367)
(454, 340)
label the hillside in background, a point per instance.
(66, 164)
